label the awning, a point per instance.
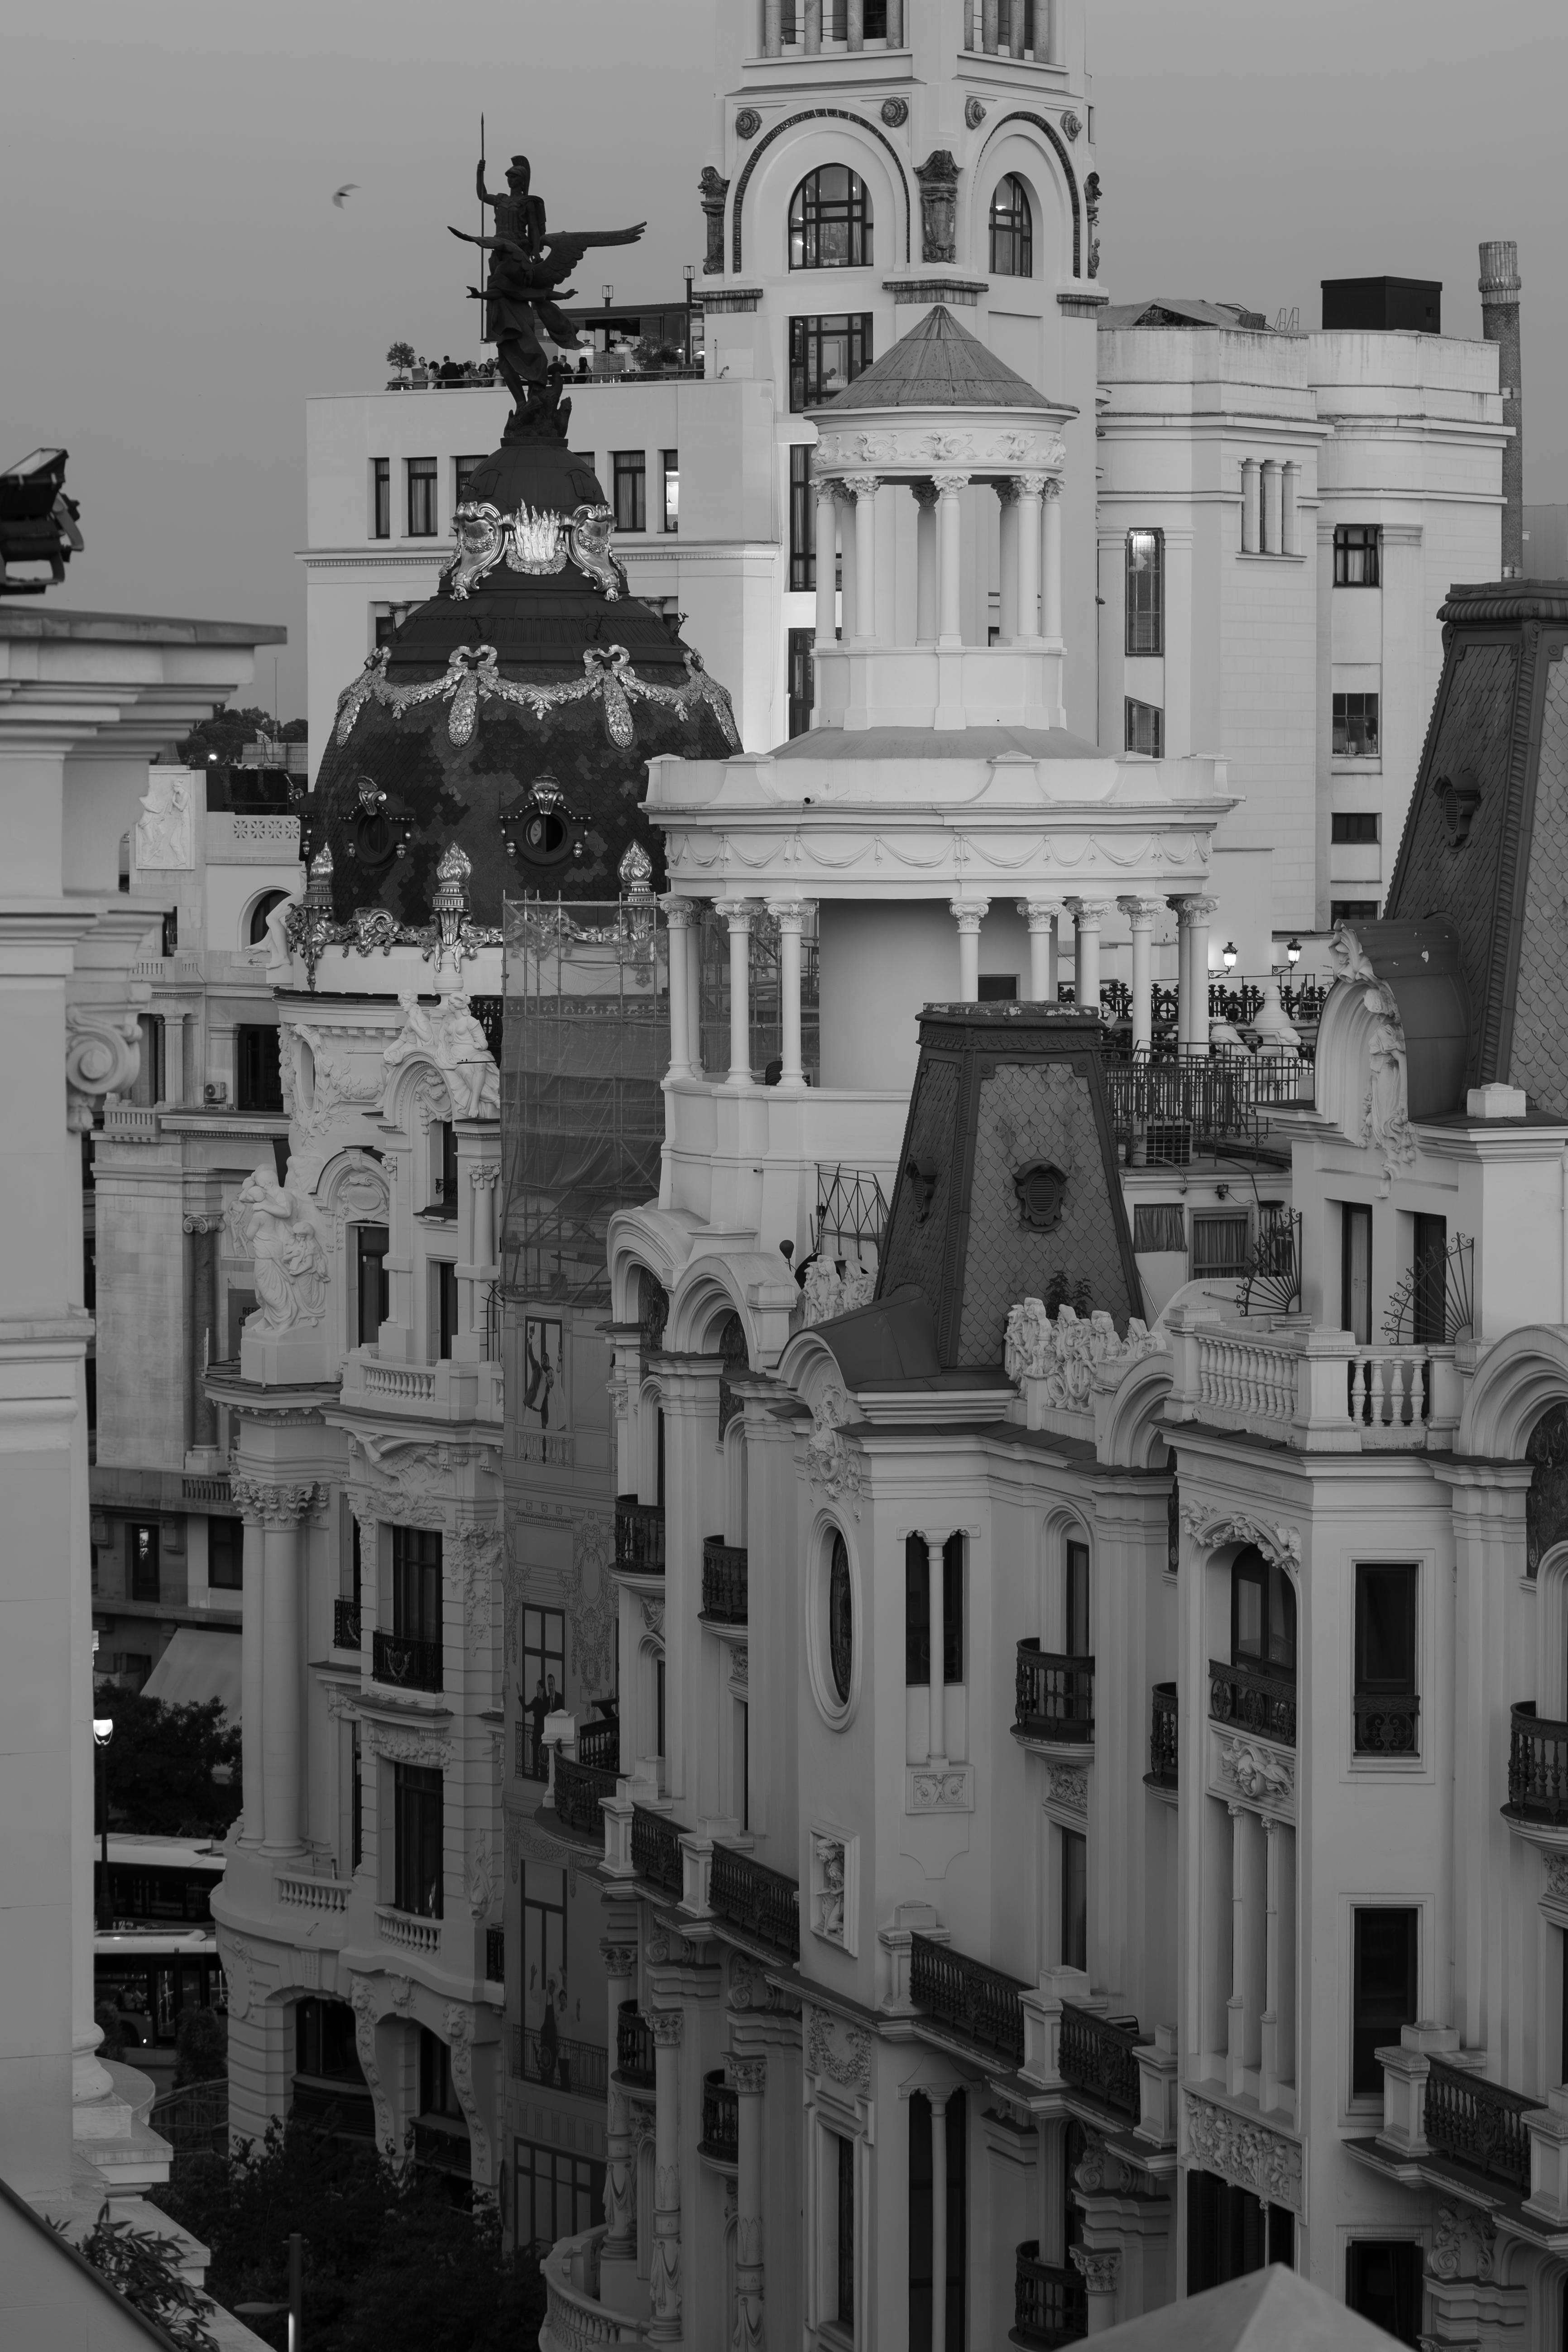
(197, 1665)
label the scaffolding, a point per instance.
(585, 1044)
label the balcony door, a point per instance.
(1262, 1615)
(1356, 1271)
(417, 1583)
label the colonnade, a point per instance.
(1270, 521)
(806, 25)
(1045, 917)
(1031, 582)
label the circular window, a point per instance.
(374, 841)
(840, 1621)
(543, 834)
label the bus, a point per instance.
(158, 1953)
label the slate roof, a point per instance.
(1180, 311)
(938, 364)
(1485, 840)
(1272, 2310)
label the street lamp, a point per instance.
(1293, 953)
(103, 1733)
(608, 293)
(295, 2307)
(1228, 956)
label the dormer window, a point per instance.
(830, 221)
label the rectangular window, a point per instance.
(1356, 1271)
(421, 498)
(258, 1077)
(416, 1840)
(844, 2270)
(997, 988)
(826, 354)
(1230, 2232)
(462, 474)
(1159, 1225)
(917, 1612)
(417, 1583)
(147, 1087)
(1145, 591)
(802, 681)
(671, 467)
(658, 1705)
(1145, 728)
(445, 1273)
(922, 2208)
(380, 497)
(1354, 827)
(543, 1679)
(1385, 1658)
(356, 1801)
(1383, 1992)
(557, 2195)
(1075, 1899)
(324, 2043)
(1219, 1246)
(1075, 1612)
(1429, 1290)
(802, 522)
(953, 1610)
(373, 1304)
(226, 1554)
(1382, 2283)
(1262, 1615)
(444, 1183)
(436, 2095)
(141, 1539)
(629, 477)
(1357, 549)
(1352, 910)
(545, 1978)
(1356, 727)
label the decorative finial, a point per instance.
(449, 904)
(319, 887)
(635, 872)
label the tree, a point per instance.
(400, 355)
(161, 1764)
(145, 2269)
(227, 733)
(201, 2046)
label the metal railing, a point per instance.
(1387, 1723)
(1537, 1767)
(723, 1581)
(1192, 1099)
(580, 1789)
(444, 2147)
(495, 1956)
(634, 2047)
(1050, 2302)
(720, 2119)
(1254, 1698)
(1054, 1694)
(639, 1537)
(599, 1744)
(757, 1901)
(976, 2002)
(850, 1205)
(346, 1616)
(411, 1665)
(1100, 2056)
(1478, 2123)
(194, 2121)
(656, 1849)
(1164, 1726)
(580, 2067)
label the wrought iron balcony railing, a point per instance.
(1478, 2124)
(346, 1616)
(1050, 2302)
(495, 1956)
(1387, 1723)
(599, 1744)
(723, 1581)
(579, 1791)
(1537, 1768)
(656, 1849)
(720, 2119)
(757, 1901)
(581, 2067)
(1255, 1699)
(1099, 2055)
(444, 2147)
(1054, 1694)
(978, 2003)
(409, 1663)
(634, 2047)
(1164, 1726)
(1192, 1099)
(639, 1537)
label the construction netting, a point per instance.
(585, 1044)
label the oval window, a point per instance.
(840, 1619)
(374, 838)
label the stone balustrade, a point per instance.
(1321, 1390)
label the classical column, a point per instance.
(694, 989)
(1016, 29)
(749, 2077)
(275, 1513)
(620, 2199)
(949, 559)
(484, 1177)
(664, 2280)
(1270, 540)
(773, 28)
(253, 1815)
(738, 914)
(1141, 913)
(863, 487)
(988, 26)
(812, 43)
(1269, 2057)
(1031, 488)
(1249, 506)
(1192, 916)
(1051, 2139)
(1099, 2270)
(854, 23)
(790, 916)
(824, 553)
(938, 2215)
(925, 495)
(969, 914)
(1051, 567)
(1040, 914)
(895, 24)
(680, 914)
(1010, 604)
(848, 565)
(1291, 527)
(202, 1328)
(1087, 914)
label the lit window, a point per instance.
(825, 354)
(1012, 230)
(672, 489)
(1356, 727)
(830, 221)
(1145, 591)
(1356, 550)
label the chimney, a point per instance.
(1500, 325)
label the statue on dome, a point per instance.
(528, 267)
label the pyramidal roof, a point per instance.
(938, 364)
(1275, 2310)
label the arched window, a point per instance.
(830, 221)
(1012, 230)
(260, 912)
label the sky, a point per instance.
(175, 280)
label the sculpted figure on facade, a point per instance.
(271, 1227)
(165, 830)
(455, 1041)
(1067, 1352)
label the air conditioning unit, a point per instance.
(216, 1090)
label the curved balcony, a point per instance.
(639, 1537)
(1537, 1769)
(1254, 1698)
(405, 1663)
(634, 2047)
(723, 1581)
(720, 2141)
(599, 1744)
(1055, 1696)
(574, 2318)
(1164, 1743)
(1050, 2305)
